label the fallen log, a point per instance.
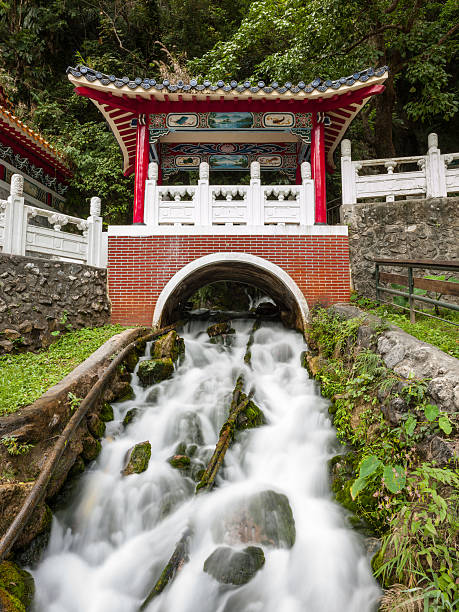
(180, 556)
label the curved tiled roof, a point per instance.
(31, 139)
(320, 85)
(121, 99)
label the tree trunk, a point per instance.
(383, 122)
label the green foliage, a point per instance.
(412, 505)
(74, 401)
(14, 447)
(26, 376)
(439, 333)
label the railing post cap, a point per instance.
(95, 207)
(305, 171)
(346, 147)
(255, 170)
(17, 185)
(432, 140)
(153, 171)
(204, 171)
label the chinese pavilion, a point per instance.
(275, 237)
(25, 151)
(227, 125)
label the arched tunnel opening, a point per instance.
(239, 268)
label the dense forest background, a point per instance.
(282, 40)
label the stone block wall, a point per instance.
(407, 229)
(38, 297)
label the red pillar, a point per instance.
(318, 170)
(141, 168)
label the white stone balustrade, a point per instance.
(205, 205)
(433, 177)
(20, 235)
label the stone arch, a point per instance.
(239, 267)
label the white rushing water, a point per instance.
(108, 548)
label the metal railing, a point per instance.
(440, 287)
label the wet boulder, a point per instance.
(230, 566)
(16, 588)
(137, 459)
(220, 329)
(155, 370)
(106, 413)
(179, 462)
(130, 416)
(189, 428)
(267, 309)
(262, 518)
(170, 345)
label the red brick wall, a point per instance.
(140, 267)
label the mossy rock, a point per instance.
(189, 428)
(230, 566)
(106, 413)
(130, 416)
(155, 370)
(91, 448)
(137, 459)
(180, 449)
(140, 347)
(77, 468)
(17, 588)
(96, 426)
(219, 329)
(264, 518)
(170, 345)
(179, 462)
(250, 417)
(125, 392)
(131, 360)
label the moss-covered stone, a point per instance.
(124, 392)
(131, 360)
(130, 416)
(179, 462)
(219, 329)
(16, 588)
(140, 347)
(95, 425)
(77, 468)
(170, 345)
(106, 413)
(155, 370)
(137, 459)
(91, 448)
(262, 518)
(229, 566)
(180, 449)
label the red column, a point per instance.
(318, 170)
(141, 168)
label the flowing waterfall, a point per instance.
(109, 546)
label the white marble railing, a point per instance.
(229, 205)
(29, 230)
(428, 176)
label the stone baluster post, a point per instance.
(14, 241)
(347, 174)
(95, 255)
(151, 205)
(307, 196)
(390, 165)
(203, 211)
(435, 170)
(255, 204)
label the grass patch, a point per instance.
(25, 377)
(443, 335)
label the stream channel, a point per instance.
(109, 546)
